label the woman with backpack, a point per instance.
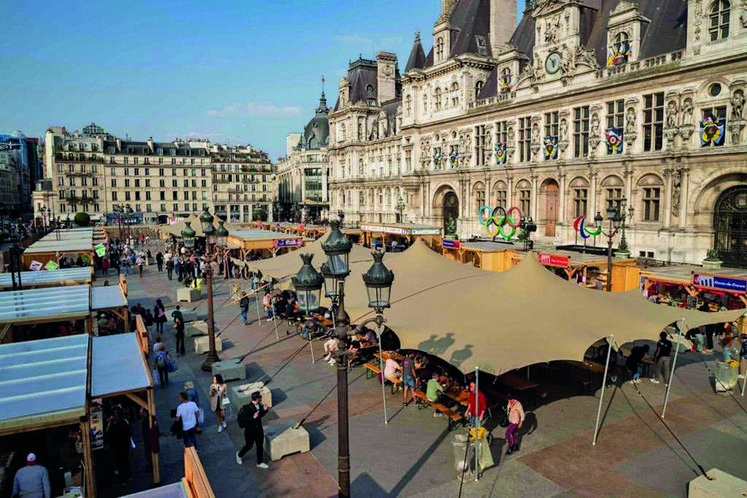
(161, 361)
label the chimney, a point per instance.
(502, 24)
(150, 145)
(119, 144)
(386, 68)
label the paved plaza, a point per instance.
(412, 455)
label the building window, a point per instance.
(127, 196)
(581, 131)
(653, 121)
(525, 198)
(478, 88)
(479, 190)
(580, 200)
(455, 94)
(439, 49)
(95, 181)
(651, 201)
(114, 196)
(616, 114)
(71, 181)
(718, 115)
(425, 104)
(500, 197)
(408, 105)
(437, 99)
(480, 145)
(720, 16)
(525, 139)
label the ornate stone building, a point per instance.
(98, 173)
(303, 174)
(583, 104)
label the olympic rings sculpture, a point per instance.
(578, 225)
(497, 219)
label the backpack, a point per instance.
(161, 360)
(243, 417)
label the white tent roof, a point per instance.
(48, 278)
(117, 366)
(43, 381)
(523, 316)
(108, 297)
(44, 304)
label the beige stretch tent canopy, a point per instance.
(288, 264)
(523, 316)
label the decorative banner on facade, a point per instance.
(551, 148)
(100, 250)
(51, 265)
(552, 260)
(436, 157)
(717, 282)
(288, 242)
(35, 265)
(614, 139)
(454, 158)
(712, 131)
(618, 54)
(501, 154)
(506, 84)
(585, 233)
(453, 244)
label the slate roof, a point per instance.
(417, 56)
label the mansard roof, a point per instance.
(417, 55)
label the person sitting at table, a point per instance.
(476, 408)
(309, 328)
(420, 369)
(434, 393)
(392, 369)
(331, 345)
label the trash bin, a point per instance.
(726, 375)
(459, 443)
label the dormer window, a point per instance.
(620, 50)
(478, 89)
(482, 46)
(160, 152)
(720, 14)
(439, 49)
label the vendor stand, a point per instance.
(385, 233)
(112, 299)
(487, 255)
(48, 278)
(58, 244)
(689, 286)
(266, 243)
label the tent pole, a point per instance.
(383, 379)
(674, 364)
(311, 348)
(477, 422)
(604, 386)
(256, 303)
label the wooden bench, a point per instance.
(421, 401)
(454, 418)
(371, 370)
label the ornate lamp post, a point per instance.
(188, 236)
(337, 248)
(400, 209)
(626, 215)
(615, 219)
(221, 234)
(308, 285)
(208, 229)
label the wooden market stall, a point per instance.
(488, 255)
(58, 244)
(385, 233)
(266, 243)
(689, 286)
(34, 308)
(194, 484)
(49, 278)
(110, 298)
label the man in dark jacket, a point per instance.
(159, 260)
(244, 307)
(250, 418)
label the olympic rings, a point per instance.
(498, 219)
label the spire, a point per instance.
(322, 109)
(417, 54)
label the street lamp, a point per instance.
(308, 285)
(337, 248)
(188, 235)
(208, 229)
(221, 234)
(400, 208)
(615, 219)
(623, 245)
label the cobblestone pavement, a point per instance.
(412, 455)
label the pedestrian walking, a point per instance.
(515, 421)
(661, 359)
(139, 262)
(177, 313)
(170, 268)
(187, 413)
(32, 481)
(160, 361)
(179, 325)
(159, 261)
(408, 378)
(244, 307)
(217, 394)
(159, 315)
(105, 267)
(250, 419)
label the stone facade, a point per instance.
(97, 173)
(586, 105)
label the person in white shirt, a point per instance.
(187, 412)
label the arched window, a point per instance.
(478, 89)
(613, 192)
(580, 190)
(455, 94)
(437, 99)
(720, 16)
(620, 49)
(651, 187)
(439, 49)
(524, 193)
(478, 194)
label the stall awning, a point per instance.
(46, 278)
(40, 305)
(61, 246)
(105, 298)
(43, 382)
(117, 366)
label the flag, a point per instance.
(712, 131)
(614, 140)
(551, 148)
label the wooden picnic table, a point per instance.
(516, 381)
(588, 366)
(455, 392)
(396, 356)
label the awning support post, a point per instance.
(604, 387)
(674, 364)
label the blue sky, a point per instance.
(240, 71)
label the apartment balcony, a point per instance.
(78, 173)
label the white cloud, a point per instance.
(264, 110)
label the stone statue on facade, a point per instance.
(737, 105)
(672, 111)
(451, 226)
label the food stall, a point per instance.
(265, 243)
(402, 233)
(692, 286)
(48, 278)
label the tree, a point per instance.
(259, 215)
(82, 219)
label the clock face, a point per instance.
(552, 63)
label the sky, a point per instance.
(232, 71)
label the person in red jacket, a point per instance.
(476, 408)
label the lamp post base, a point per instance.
(207, 365)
